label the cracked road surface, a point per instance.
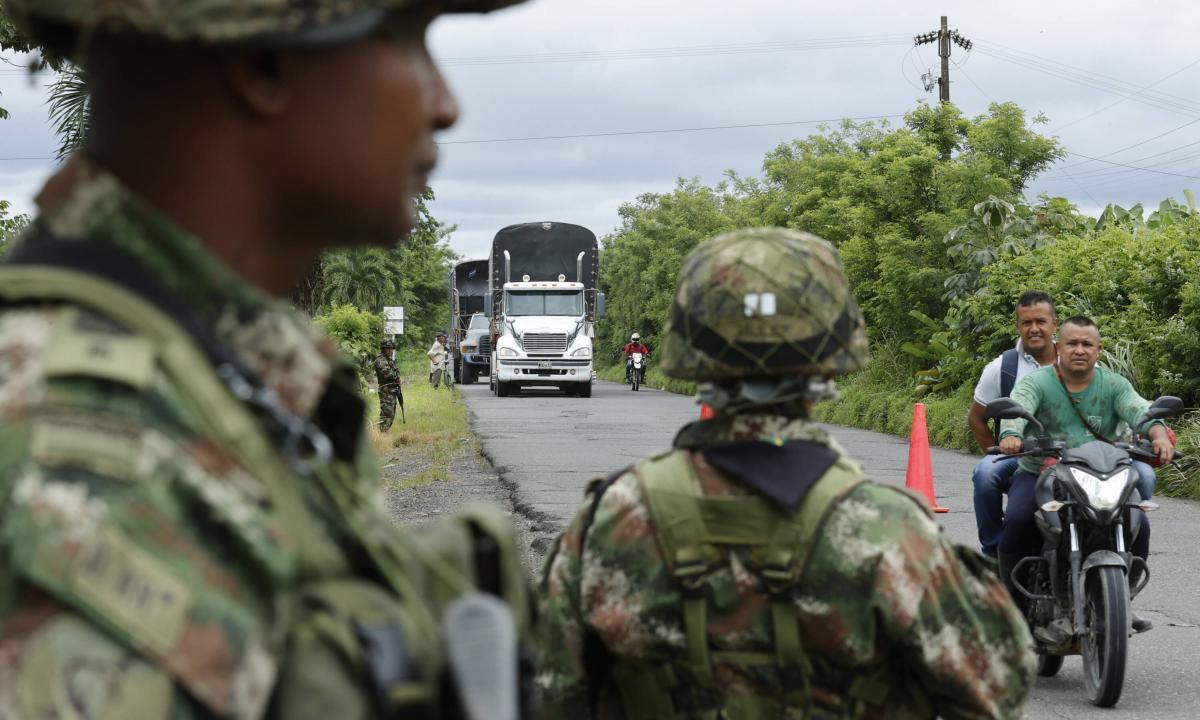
(547, 446)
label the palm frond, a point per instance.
(70, 109)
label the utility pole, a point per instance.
(943, 36)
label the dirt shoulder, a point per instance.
(466, 477)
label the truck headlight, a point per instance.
(583, 352)
(467, 348)
(506, 352)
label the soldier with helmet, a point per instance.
(388, 377)
(188, 517)
(752, 571)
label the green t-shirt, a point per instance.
(1107, 401)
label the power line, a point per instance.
(972, 81)
(651, 53)
(1134, 167)
(1163, 101)
(664, 131)
(1143, 142)
(1098, 77)
(1127, 97)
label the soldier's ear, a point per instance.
(258, 80)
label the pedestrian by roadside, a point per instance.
(438, 366)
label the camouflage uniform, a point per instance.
(892, 620)
(159, 555)
(388, 377)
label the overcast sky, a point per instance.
(1109, 76)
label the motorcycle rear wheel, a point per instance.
(1105, 640)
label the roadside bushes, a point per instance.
(357, 332)
(1140, 285)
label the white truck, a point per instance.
(543, 307)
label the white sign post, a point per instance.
(393, 320)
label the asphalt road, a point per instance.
(547, 446)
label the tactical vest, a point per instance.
(696, 533)
(386, 631)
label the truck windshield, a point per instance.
(478, 322)
(544, 303)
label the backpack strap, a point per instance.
(1009, 360)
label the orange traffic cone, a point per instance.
(706, 412)
(920, 466)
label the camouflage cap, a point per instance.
(387, 344)
(270, 23)
(763, 302)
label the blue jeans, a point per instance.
(991, 478)
(1146, 479)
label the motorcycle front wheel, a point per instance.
(1105, 638)
(1049, 665)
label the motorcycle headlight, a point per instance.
(1102, 494)
(583, 352)
(506, 352)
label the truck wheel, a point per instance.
(503, 389)
(585, 390)
(468, 376)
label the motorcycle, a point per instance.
(636, 370)
(1077, 592)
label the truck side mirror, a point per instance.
(599, 305)
(487, 305)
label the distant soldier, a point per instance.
(388, 377)
(189, 525)
(752, 571)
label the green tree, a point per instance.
(640, 262)
(10, 227)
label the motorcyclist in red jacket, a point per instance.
(635, 345)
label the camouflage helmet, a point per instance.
(65, 25)
(761, 303)
(387, 344)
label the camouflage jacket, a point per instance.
(143, 571)
(882, 590)
(386, 373)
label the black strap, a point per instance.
(1008, 371)
(289, 431)
(1075, 406)
(1008, 378)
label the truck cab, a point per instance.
(475, 349)
(544, 337)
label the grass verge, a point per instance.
(436, 427)
(654, 379)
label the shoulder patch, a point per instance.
(132, 589)
(107, 452)
(75, 352)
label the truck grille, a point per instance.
(485, 345)
(544, 342)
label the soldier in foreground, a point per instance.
(751, 571)
(388, 378)
(188, 525)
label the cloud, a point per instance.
(1063, 58)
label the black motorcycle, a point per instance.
(1077, 591)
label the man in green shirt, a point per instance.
(1100, 396)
